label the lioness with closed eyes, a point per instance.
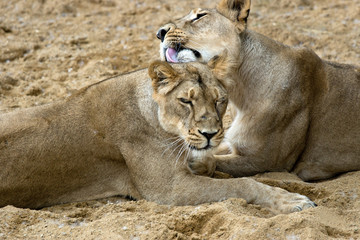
(294, 111)
(131, 135)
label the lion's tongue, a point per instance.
(171, 55)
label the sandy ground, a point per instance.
(48, 49)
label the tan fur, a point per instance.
(294, 111)
(112, 138)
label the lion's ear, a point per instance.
(223, 69)
(236, 10)
(163, 77)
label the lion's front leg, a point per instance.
(239, 165)
(229, 160)
(176, 185)
(192, 189)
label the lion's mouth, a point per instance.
(171, 55)
(207, 147)
(174, 55)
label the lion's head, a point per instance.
(205, 33)
(192, 101)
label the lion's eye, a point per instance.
(186, 101)
(198, 16)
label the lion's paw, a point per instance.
(286, 202)
(202, 166)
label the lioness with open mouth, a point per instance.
(129, 135)
(295, 112)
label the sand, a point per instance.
(48, 49)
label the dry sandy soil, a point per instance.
(48, 49)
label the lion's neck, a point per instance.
(260, 63)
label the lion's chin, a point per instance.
(200, 153)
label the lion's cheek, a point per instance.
(170, 124)
(183, 130)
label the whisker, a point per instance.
(188, 153)
(177, 155)
(176, 141)
(181, 151)
(172, 139)
(170, 145)
(176, 137)
(180, 145)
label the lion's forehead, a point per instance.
(214, 24)
(192, 14)
(198, 77)
(207, 91)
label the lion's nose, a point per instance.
(208, 135)
(164, 30)
(161, 33)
